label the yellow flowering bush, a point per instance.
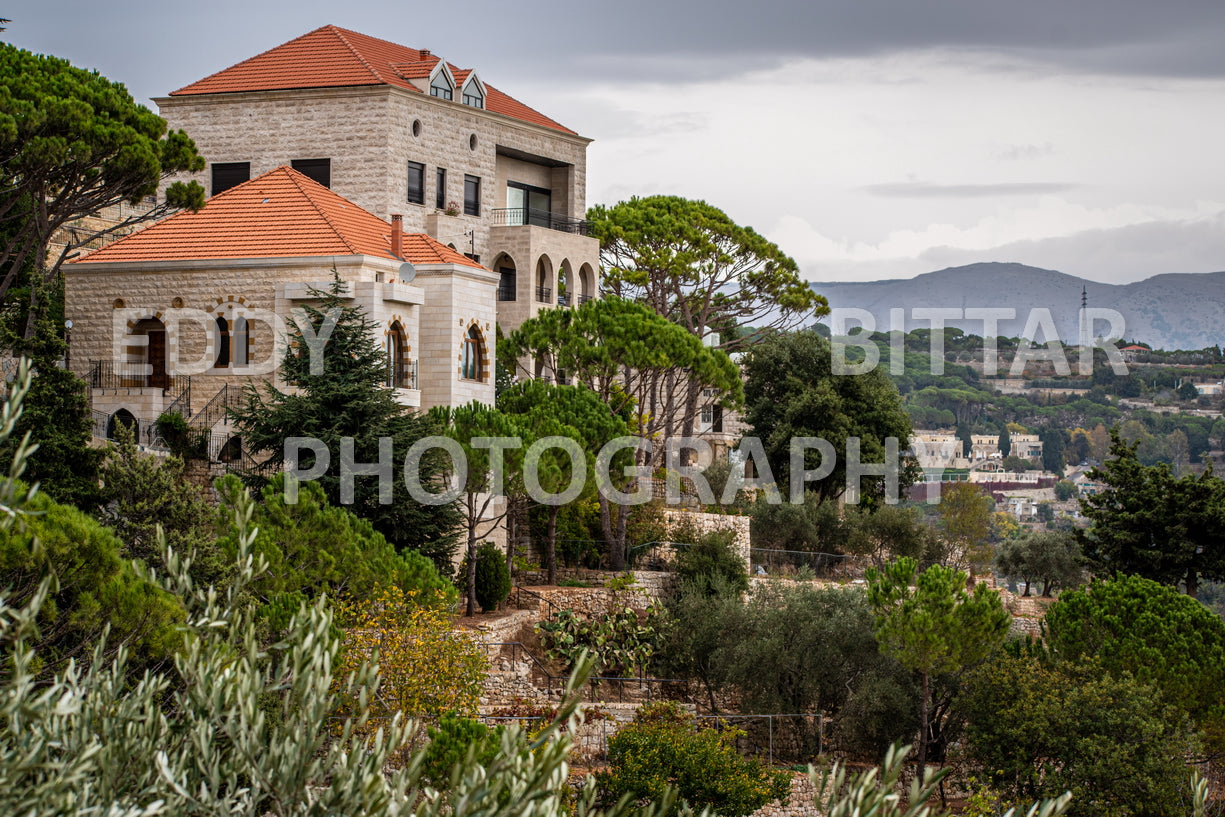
(426, 667)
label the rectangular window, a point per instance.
(472, 195)
(440, 191)
(708, 415)
(318, 169)
(229, 174)
(416, 183)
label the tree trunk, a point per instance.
(471, 609)
(554, 510)
(1192, 581)
(923, 727)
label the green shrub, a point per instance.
(492, 577)
(93, 588)
(452, 742)
(709, 555)
(660, 749)
(313, 548)
(182, 440)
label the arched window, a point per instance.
(240, 342)
(395, 357)
(472, 355)
(223, 343)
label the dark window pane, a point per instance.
(318, 169)
(229, 174)
(416, 183)
(472, 195)
(440, 193)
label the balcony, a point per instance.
(544, 295)
(506, 293)
(563, 299)
(527, 216)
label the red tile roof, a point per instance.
(331, 57)
(281, 214)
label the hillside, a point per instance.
(1175, 311)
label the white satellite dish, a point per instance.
(407, 273)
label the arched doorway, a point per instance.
(153, 354)
(544, 280)
(566, 291)
(396, 359)
(508, 281)
(586, 283)
(124, 418)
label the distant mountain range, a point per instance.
(1177, 311)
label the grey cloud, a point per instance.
(919, 190)
(156, 46)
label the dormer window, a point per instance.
(473, 93)
(441, 85)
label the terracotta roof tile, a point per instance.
(281, 214)
(331, 57)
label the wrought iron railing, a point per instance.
(529, 216)
(582, 299)
(216, 409)
(563, 299)
(544, 294)
(506, 293)
(107, 374)
(404, 376)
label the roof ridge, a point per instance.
(292, 175)
(340, 34)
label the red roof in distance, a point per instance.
(332, 57)
(281, 214)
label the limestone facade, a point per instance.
(372, 133)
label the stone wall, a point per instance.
(708, 522)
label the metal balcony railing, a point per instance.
(563, 299)
(527, 216)
(107, 374)
(405, 376)
(506, 293)
(582, 299)
(544, 294)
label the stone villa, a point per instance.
(448, 207)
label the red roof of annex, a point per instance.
(281, 214)
(331, 57)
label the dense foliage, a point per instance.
(312, 548)
(1149, 522)
(661, 749)
(792, 391)
(934, 627)
(1136, 627)
(1039, 728)
(345, 396)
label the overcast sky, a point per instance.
(868, 138)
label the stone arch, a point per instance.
(474, 362)
(231, 451)
(567, 286)
(125, 418)
(397, 349)
(586, 283)
(508, 277)
(544, 279)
